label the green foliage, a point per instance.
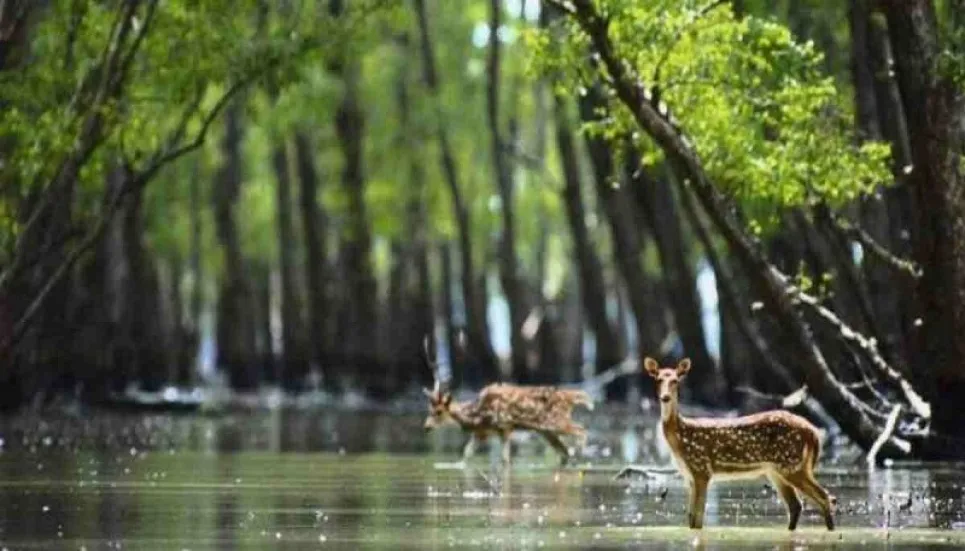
(100, 89)
(768, 125)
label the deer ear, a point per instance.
(683, 367)
(427, 392)
(651, 366)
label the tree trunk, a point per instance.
(477, 334)
(832, 394)
(898, 199)
(314, 227)
(194, 329)
(143, 296)
(508, 265)
(293, 358)
(874, 210)
(610, 349)
(934, 112)
(266, 359)
(395, 323)
(235, 325)
(360, 340)
(627, 237)
(418, 287)
(656, 201)
(456, 368)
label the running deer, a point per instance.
(500, 409)
(777, 444)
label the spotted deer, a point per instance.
(501, 409)
(777, 444)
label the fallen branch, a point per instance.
(647, 472)
(868, 346)
(788, 401)
(886, 433)
(631, 92)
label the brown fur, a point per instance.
(777, 444)
(501, 409)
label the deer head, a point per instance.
(668, 382)
(439, 397)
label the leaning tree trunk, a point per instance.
(235, 324)
(294, 363)
(508, 265)
(627, 237)
(933, 106)
(314, 227)
(655, 199)
(610, 349)
(774, 287)
(477, 333)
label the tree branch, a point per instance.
(132, 183)
(906, 267)
(631, 92)
(868, 346)
(886, 433)
(677, 37)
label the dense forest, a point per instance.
(293, 194)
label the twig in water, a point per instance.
(884, 436)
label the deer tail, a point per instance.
(578, 398)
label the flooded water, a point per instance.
(279, 480)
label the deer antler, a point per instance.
(433, 366)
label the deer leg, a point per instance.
(791, 500)
(698, 500)
(557, 445)
(805, 482)
(470, 449)
(580, 433)
(507, 452)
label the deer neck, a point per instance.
(670, 414)
(460, 414)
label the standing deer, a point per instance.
(501, 409)
(777, 444)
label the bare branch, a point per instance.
(886, 433)
(132, 183)
(866, 345)
(906, 267)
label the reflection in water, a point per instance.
(289, 479)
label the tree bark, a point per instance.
(314, 226)
(610, 349)
(933, 106)
(235, 325)
(419, 305)
(474, 305)
(448, 307)
(508, 265)
(834, 396)
(360, 344)
(655, 200)
(627, 237)
(293, 358)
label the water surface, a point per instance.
(350, 481)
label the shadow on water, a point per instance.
(293, 479)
